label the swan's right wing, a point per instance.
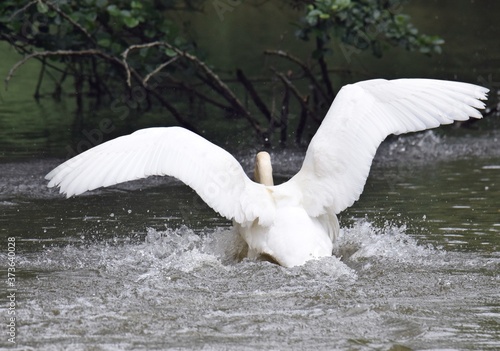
(212, 172)
(362, 115)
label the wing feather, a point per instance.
(339, 157)
(212, 172)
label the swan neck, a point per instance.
(263, 172)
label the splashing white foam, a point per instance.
(164, 254)
(364, 241)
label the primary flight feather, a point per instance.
(294, 221)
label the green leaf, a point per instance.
(101, 3)
(125, 13)
(104, 42)
(114, 11)
(116, 48)
(136, 5)
(170, 53)
(401, 20)
(437, 40)
(42, 7)
(340, 5)
(150, 32)
(131, 22)
(143, 52)
(91, 17)
(343, 3)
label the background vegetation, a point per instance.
(133, 56)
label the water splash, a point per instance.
(363, 241)
(182, 251)
(191, 288)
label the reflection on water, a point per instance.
(458, 209)
(146, 265)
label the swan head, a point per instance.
(263, 172)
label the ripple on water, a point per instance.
(181, 290)
(178, 289)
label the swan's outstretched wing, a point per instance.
(211, 171)
(339, 156)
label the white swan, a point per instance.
(296, 221)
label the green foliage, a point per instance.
(114, 25)
(363, 25)
(131, 52)
(109, 25)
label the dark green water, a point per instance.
(147, 265)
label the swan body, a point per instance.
(296, 221)
(293, 238)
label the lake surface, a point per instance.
(147, 266)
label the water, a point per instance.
(146, 265)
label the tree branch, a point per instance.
(285, 108)
(158, 69)
(27, 6)
(183, 85)
(302, 123)
(39, 83)
(324, 69)
(253, 94)
(110, 58)
(221, 86)
(69, 19)
(38, 54)
(302, 100)
(304, 67)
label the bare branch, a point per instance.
(40, 79)
(324, 69)
(302, 65)
(69, 19)
(172, 110)
(301, 125)
(191, 89)
(218, 83)
(285, 109)
(38, 54)
(253, 94)
(28, 5)
(302, 99)
(158, 69)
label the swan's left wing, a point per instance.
(362, 115)
(212, 172)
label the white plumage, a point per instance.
(295, 221)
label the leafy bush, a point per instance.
(110, 46)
